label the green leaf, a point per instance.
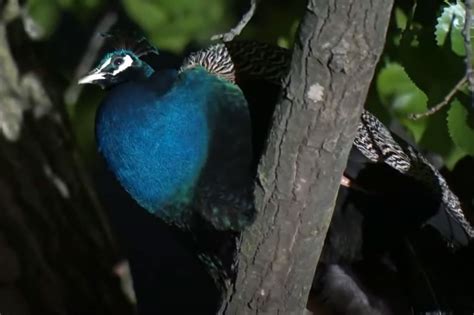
(46, 14)
(452, 17)
(79, 6)
(459, 128)
(453, 157)
(401, 18)
(402, 97)
(173, 24)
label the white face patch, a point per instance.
(127, 62)
(95, 75)
(91, 78)
(100, 72)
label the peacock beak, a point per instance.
(92, 77)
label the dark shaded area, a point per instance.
(167, 276)
(380, 256)
(57, 254)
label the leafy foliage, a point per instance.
(450, 23)
(173, 24)
(425, 47)
(47, 13)
(460, 127)
(398, 92)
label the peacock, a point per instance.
(182, 142)
(184, 154)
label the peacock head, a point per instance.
(120, 65)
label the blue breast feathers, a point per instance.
(154, 136)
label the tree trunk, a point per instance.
(56, 251)
(334, 58)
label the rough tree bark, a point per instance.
(334, 58)
(56, 251)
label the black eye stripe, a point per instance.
(118, 61)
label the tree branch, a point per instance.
(230, 35)
(466, 32)
(315, 122)
(441, 104)
(93, 48)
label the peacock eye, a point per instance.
(118, 62)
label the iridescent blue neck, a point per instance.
(144, 72)
(147, 70)
(154, 136)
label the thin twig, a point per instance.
(466, 33)
(440, 105)
(95, 44)
(230, 35)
